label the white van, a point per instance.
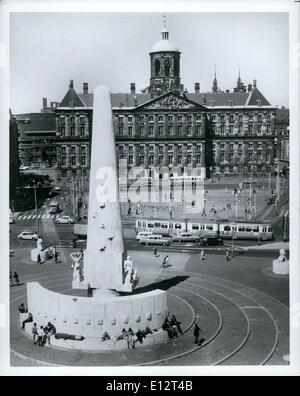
(154, 240)
(143, 234)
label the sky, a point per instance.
(49, 49)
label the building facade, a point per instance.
(167, 126)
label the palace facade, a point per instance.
(225, 132)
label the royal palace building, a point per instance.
(165, 126)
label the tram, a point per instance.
(237, 230)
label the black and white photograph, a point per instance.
(150, 188)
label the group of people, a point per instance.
(42, 334)
(14, 279)
(129, 336)
(172, 327)
(53, 252)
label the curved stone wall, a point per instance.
(91, 317)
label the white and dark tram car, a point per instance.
(255, 231)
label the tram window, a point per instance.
(157, 225)
(227, 228)
(270, 229)
(248, 229)
(164, 225)
(209, 227)
(138, 223)
(177, 226)
(241, 228)
(195, 227)
(255, 229)
(150, 225)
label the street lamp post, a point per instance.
(36, 208)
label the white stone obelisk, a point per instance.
(104, 256)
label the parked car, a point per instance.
(143, 234)
(78, 243)
(154, 240)
(28, 235)
(12, 219)
(57, 188)
(64, 220)
(186, 237)
(211, 241)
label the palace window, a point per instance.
(231, 118)
(240, 128)
(81, 131)
(189, 160)
(199, 117)
(82, 119)
(179, 118)
(222, 117)
(130, 130)
(170, 130)
(151, 147)
(170, 159)
(260, 117)
(259, 128)
(161, 149)
(179, 129)
(268, 128)
(189, 147)
(160, 130)
(170, 118)
(83, 149)
(259, 157)
(73, 149)
(190, 118)
(150, 118)
(180, 148)
(121, 149)
(62, 120)
(230, 128)
(142, 130)
(179, 159)
(121, 129)
(142, 160)
(222, 129)
(231, 146)
(151, 130)
(72, 119)
(250, 117)
(63, 161)
(199, 147)
(141, 118)
(231, 157)
(170, 147)
(222, 157)
(160, 160)
(129, 118)
(222, 146)
(268, 157)
(189, 129)
(72, 131)
(198, 159)
(151, 160)
(250, 157)
(160, 118)
(62, 131)
(63, 149)
(198, 130)
(240, 117)
(250, 128)
(73, 161)
(130, 149)
(130, 159)
(83, 160)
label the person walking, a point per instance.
(196, 333)
(16, 278)
(165, 262)
(202, 255)
(56, 256)
(126, 337)
(131, 338)
(155, 251)
(39, 260)
(227, 254)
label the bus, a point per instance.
(54, 207)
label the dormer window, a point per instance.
(258, 102)
(230, 102)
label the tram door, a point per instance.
(264, 233)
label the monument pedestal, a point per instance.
(44, 254)
(79, 285)
(281, 267)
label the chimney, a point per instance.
(197, 87)
(227, 91)
(44, 103)
(132, 88)
(85, 88)
(71, 84)
(254, 83)
(249, 87)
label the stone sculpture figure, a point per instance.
(76, 256)
(282, 255)
(128, 267)
(39, 244)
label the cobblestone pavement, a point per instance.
(241, 310)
